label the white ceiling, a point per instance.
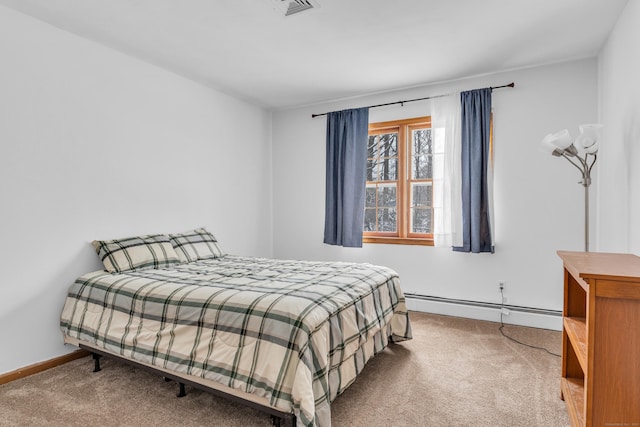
(344, 48)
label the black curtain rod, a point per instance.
(313, 116)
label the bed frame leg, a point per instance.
(96, 362)
(289, 421)
(286, 421)
(182, 392)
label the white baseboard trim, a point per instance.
(523, 316)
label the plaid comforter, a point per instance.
(294, 332)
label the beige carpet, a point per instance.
(455, 372)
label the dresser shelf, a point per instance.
(576, 330)
(600, 381)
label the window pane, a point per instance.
(387, 196)
(388, 170)
(372, 170)
(422, 167)
(421, 194)
(422, 142)
(382, 153)
(372, 147)
(389, 145)
(382, 169)
(387, 219)
(421, 220)
(372, 158)
(370, 196)
(369, 219)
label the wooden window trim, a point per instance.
(398, 240)
(402, 236)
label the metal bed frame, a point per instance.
(278, 418)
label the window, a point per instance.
(399, 193)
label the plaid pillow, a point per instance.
(195, 245)
(132, 253)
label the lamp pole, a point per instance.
(586, 217)
(585, 169)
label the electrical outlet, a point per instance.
(501, 285)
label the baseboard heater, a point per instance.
(491, 305)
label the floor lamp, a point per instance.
(581, 153)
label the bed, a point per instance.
(288, 336)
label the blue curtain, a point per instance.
(475, 126)
(347, 135)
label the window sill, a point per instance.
(398, 240)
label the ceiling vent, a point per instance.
(289, 7)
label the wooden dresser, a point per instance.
(600, 381)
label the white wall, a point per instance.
(619, 154)
(538, 203)
(95, 144)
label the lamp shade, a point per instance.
(560, 139)
(589, 137)
(547, 147)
